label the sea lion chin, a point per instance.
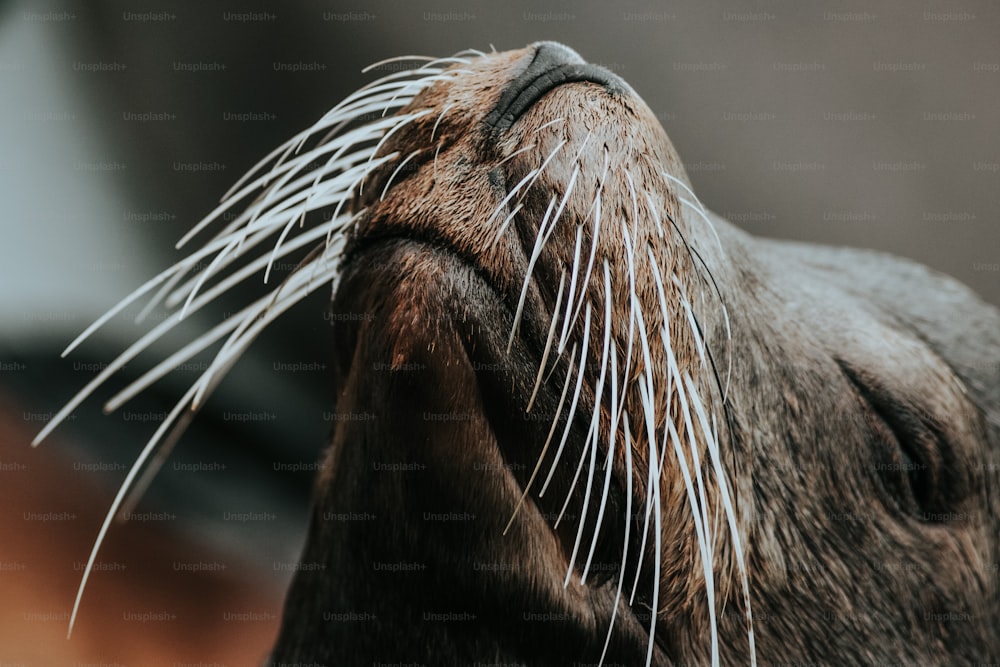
(585, 420)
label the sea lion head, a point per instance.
(583, 419)
(672, 415)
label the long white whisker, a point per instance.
(545, 163)
(545, 445)
(119, 307)
(119, 497)
(609, 461)
(626, 434)
(658, 546)
(595, 211)
(506, 200)
(554, 121)
(648, 401)
(594, 237)
(397, 59)
(424, 82)
(395, 172)
(286, 296)
(572, 287)
(698, 207)
(548, 342)
(205, 274)
(584, 350)
(701, 518)
(438, 121)
(514, 154)
(544, 233)
(593, 437)
(398, 126)
(728, 506)
(540, 238)
(705, 538)
(267, 224)
(129, 354)
(656, 216)
(618, 398)
(340, 114)
(359, 135)
(277, 246)
(525, 184)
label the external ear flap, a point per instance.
(920, 444)
(907, 452)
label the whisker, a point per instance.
(540, 238)
(399, 168)
(548, 440)
(548, 342)
(658, 550)
(594, 236)
(524, 183)
(438, 121)
(544, 233)
(246, 186)
(268, 223)
(593, 437)
(626, 434)
(584, 349)
(572, 287)
(396, 59)
(412, 117)
(730, 511)
(696, 205)
(612, 431)
(554, 121)
(595, 211)
(284, 297)
(119, 497)
(656, 216)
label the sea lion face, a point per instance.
(581, 419)
(784, 430)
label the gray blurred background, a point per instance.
(871, 124)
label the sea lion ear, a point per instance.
(919, 451)
(906, 447)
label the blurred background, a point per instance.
(870, 124)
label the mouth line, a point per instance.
(541, 77)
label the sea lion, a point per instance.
(583, 420)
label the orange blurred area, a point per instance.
(155, 597)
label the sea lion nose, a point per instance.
(553, 65)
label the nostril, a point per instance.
(553, 65)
